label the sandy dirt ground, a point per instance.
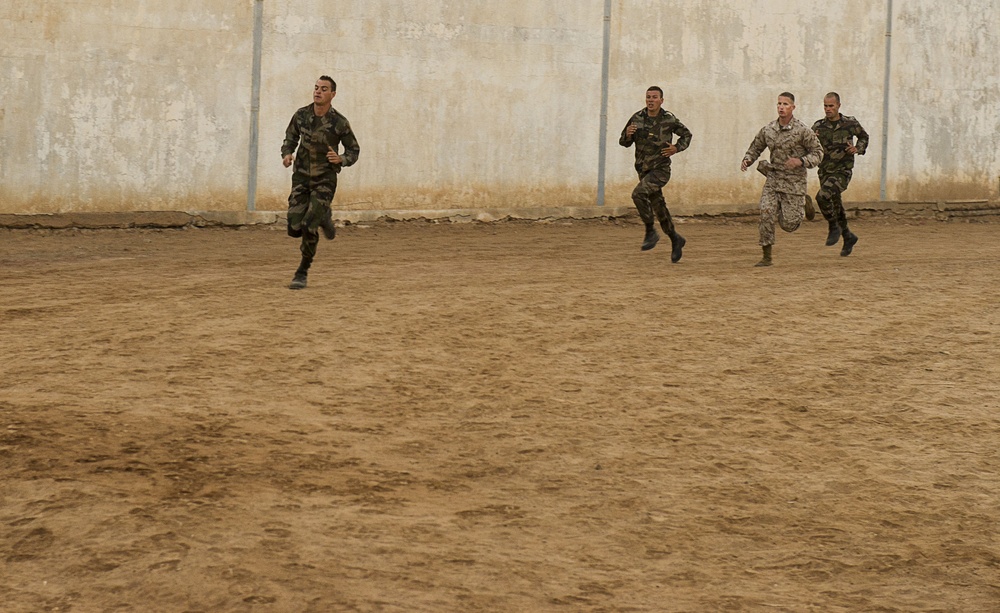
(507, 417)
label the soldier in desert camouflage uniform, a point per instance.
(837, 134)
(652, 131)
(794, 148)
(317, 130)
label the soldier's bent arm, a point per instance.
(756, 148)
(683, 136)
(291, 138)
(625, 140)
(862, 144)
(814, 150)
(351, 148)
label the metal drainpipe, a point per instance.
(258, 35)
(605, 62)
(885, 101)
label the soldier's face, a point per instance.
(785, 107)
(831, 107)
(323, 93)
(653, 101)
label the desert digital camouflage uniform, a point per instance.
(314, 178)
(784, 192)
(838, 165)
(652, 135)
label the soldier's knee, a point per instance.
(789, 225)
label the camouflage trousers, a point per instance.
(308, 208)
(828, 197)
(648, 198)
(787, 209)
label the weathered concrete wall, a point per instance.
(455, 104)
(137, 105)
(944, 138)
(146, 105)
(722, 65)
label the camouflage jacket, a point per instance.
(836, 136)
(314, 136)
(652, 135)
(792, 141)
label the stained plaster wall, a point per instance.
(111, 105)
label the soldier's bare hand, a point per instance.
(333, 156)
(851, 149)
(793, 163)
(630, 130)
(287, 160)
(743, 165)
(668, 151)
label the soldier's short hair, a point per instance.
(833, 95)
(655, 88)
(788, 95)
(333, 84)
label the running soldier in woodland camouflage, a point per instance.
(652, 131)
(837, 134)
(317, 130)
(794, 148)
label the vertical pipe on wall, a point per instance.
(258, 36)
(605, 63)
(885, 101)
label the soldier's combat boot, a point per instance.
(299, 280)
(850, 239)
(329, 230)
(766, 260)
(652, 237)
(677, 243)
(810, 209)
(834, 236)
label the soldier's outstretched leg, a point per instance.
(677, 241)
(648, 197)
(832, 206)
(768, 212)
(826, 207)
(766, 259)
(850, 238)
(300, 278)
(310, 240)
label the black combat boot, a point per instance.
(301, 274)
(766, 260)
(329, 230)
(850, 239)
(676, 240)
(834, 236)
(652, 237)
(677, 243)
